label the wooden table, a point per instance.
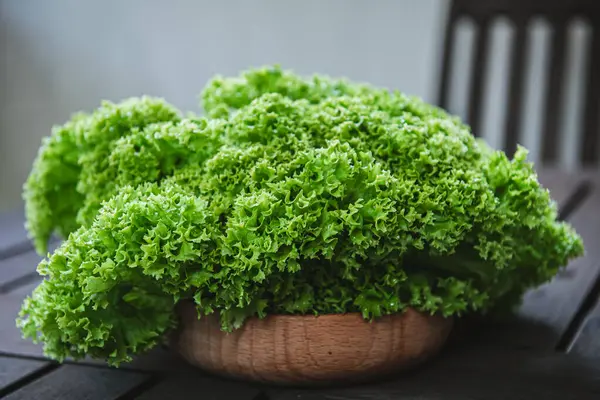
(550, 351)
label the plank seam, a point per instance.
(569, 335)
(20, 281)
(29, 378)
(21, 248)
(567, 339)
(16, 249)
(576, 199)
(81, 363)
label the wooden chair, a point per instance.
(558, 13)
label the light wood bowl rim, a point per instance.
(413, 357)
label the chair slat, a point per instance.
(591, 130)
(554, 93)
(559, 13)
(515, 94)
(478, 69)
(448, 49)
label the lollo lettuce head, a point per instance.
(290, 196)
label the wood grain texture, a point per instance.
(12, 370)
(309, 350)
(477, 370)
(73, 382)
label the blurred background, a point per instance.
(61, 56)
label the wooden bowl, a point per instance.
(309, 350)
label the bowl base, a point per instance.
(309, 350)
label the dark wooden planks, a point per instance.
(15, 370)
(26, 289)
(13, 236)
(11, 341)
(477, 371)
(562, 185)
(195, 384)
(161, 360)
(18, 277)
(81, 383)
(556, 304)
(587, 341)
(179, 380)
(20, 269)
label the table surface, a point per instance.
(550, 350)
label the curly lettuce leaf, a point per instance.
(70, 176)
(293, 196)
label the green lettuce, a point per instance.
(290, 196)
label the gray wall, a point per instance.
(60, 56)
